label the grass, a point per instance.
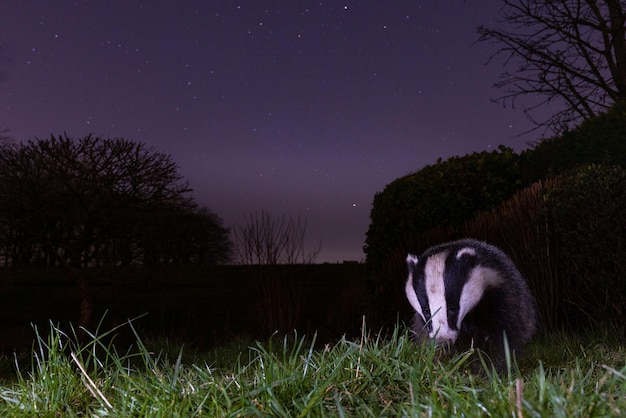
(290, 376)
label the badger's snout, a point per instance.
(444, 336)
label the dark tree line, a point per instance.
(97, 202)
(101, 202)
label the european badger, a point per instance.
(467, 293)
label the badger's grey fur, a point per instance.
(467, 293)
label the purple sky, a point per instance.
(293, 107)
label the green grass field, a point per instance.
(290, 376)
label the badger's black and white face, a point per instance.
(444, 285)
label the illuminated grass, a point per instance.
(288, 376)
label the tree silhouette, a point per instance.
(86, 203)
(174, 236)
(571, 53)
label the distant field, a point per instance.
(203, 306)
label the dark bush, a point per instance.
(567, 235)
(444, 194)
(588, 212)
(601, 140)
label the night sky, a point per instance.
(293, 107)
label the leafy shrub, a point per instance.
(567, 235)
(444, 194)
(588, 211)
(596, 141)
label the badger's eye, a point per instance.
(453, 308)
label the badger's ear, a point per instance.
(467, 256)
(411, 261)
(468, 251)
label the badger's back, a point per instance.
(469, 293)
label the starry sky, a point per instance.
(294, 107)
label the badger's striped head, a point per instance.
(444, 286)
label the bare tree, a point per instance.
(569, 53)
(264, 239)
